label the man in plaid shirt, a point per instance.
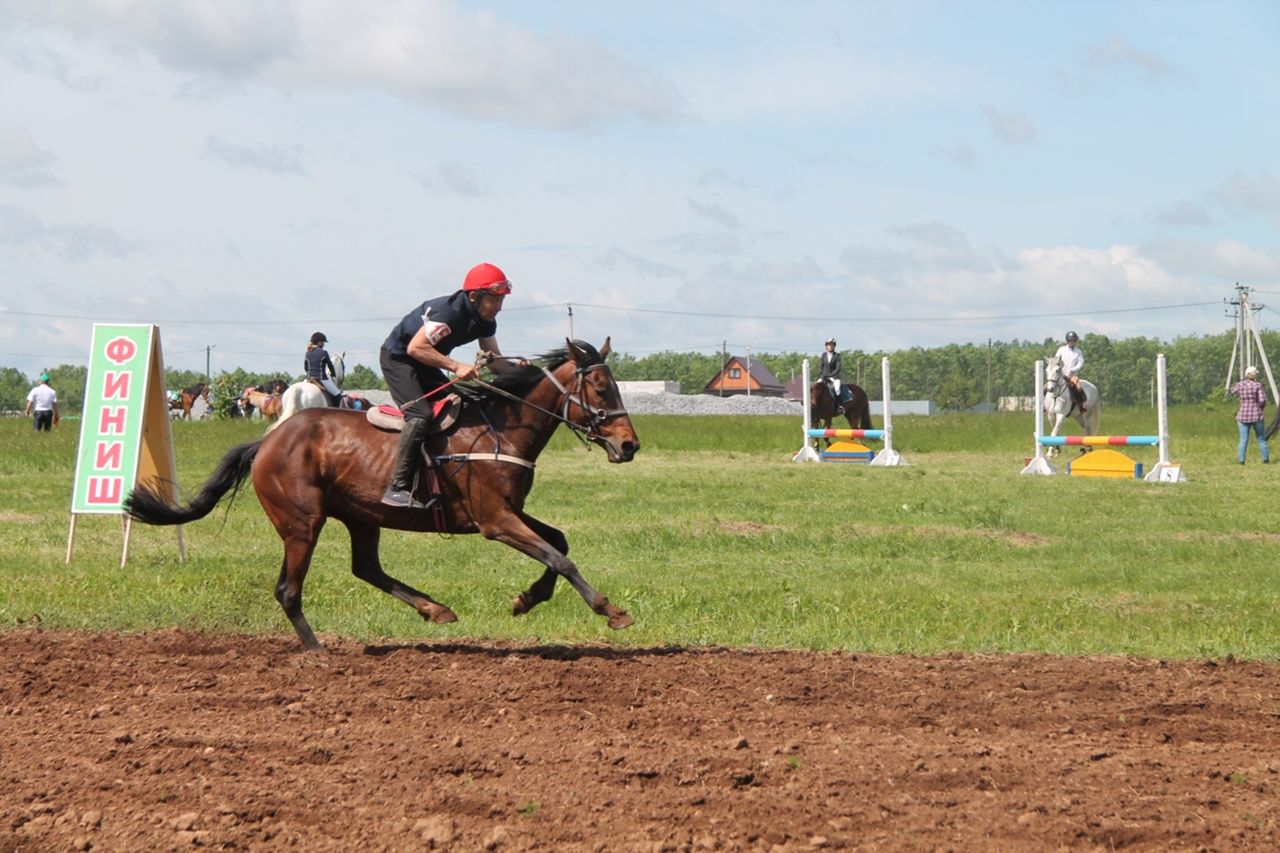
(1253, 399)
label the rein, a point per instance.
(595, 417)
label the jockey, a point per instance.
(1072, 359)
(320, 368)
(415, 356)
(829, 369)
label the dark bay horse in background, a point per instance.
(328, 463)
(187, 397)
(823, 407)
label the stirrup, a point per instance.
(404, 499)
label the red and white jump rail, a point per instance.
(809, 452)
(1163, 471)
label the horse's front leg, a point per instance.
(521, 532)
(542, 588)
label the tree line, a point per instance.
(962, 376)
(955, 377)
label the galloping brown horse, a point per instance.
(329, 463)
(187, 397)
(823, 408)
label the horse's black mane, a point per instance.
(521, 380)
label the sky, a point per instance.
(684, 176)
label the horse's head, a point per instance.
(339, 368)
(821, 400)
(593, 401)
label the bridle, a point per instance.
(572, 396)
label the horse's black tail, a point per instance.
(146, 504)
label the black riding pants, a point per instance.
(410, 382)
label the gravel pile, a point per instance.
(677, 404)
(705, 404)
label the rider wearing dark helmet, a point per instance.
(320, 368)
(1072, 359)
(415, 356)
(829, 368)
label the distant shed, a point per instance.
(739, 377)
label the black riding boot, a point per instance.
(408, 455)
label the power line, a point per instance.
(975, 318)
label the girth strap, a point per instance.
(481, 457)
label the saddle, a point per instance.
(1078, 397)
(444, 413)
(334, 402)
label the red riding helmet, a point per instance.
(487, 278)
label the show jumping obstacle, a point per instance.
(1108, 463)
(848, 451)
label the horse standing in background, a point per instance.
(823, 407)
(186, 398)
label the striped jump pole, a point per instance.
(1163, 471)
(809, 451)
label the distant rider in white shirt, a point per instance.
(1072, 360)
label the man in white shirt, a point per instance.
(43, 402)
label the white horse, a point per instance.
(1059, 404)
(306, 395)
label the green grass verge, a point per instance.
(713, 536)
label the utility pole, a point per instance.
(569, 306)
(990, 408)
(208, 350)
(1247, 340)
(748, 370)
(724, 361)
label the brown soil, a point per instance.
(175, 739)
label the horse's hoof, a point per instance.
(621, 620)
(520, 606)
(437, 613)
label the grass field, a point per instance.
(713, 536)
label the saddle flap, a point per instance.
(444, 413)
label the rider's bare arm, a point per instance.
(420, 349)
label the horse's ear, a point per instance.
(575, 353)
(606, 349)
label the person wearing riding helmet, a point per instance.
(829, 368)
(1072, 359)
(319, 367)
(415, 356)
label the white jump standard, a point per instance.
(809, 452)
(1163, 471)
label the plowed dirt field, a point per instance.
(176, 739)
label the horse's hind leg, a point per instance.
(366, 566)
(542, 588)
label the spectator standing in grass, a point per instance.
(1253, 399)
(42, 401)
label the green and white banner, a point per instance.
(124, 431)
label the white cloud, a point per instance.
(454, 178)
(1013, 128)
(715, 213)
(20, 229)
(1116, 51)
(23, 163)
(1258, 193)
(1182, 213)
(431, 52)
(266, 158)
